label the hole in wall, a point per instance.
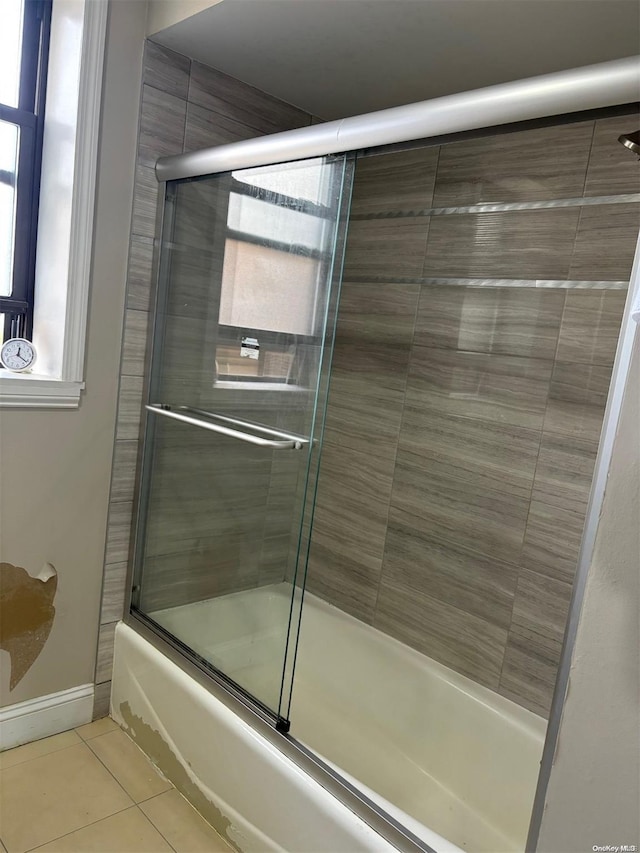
(26, 615)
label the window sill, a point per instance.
(30, 391)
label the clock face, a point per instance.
(18, 354)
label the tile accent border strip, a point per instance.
(626, 198)
(491, 282)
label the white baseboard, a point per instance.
(45, 716)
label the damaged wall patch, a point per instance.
(26, 615)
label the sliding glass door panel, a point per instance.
(245, 311)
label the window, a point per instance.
(24, 44)
(274, 260)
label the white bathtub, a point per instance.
(452, 761)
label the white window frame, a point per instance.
(67, 206)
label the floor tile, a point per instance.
(181, 825)
(126, 832)
(129, 765)
(97, 728)
(11, 757)
(64, 790)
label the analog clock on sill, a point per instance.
(18, 355)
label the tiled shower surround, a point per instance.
(463, 420)
(466, 403)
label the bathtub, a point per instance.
(447, 758)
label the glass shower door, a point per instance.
(243, 330)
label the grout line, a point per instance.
(195, 810)
(397, 442)
(588, 163)
(44, 755)
(77, 829)
(535, 471)
(105, 766)
(149, 821)
(428, 224)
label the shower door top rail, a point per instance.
(289, 442)
(591, 87)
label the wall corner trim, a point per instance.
(45, 716)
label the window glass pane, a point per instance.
(266, 289)
(307, 180)
(11, 16)
(8, 174)
(273, 222)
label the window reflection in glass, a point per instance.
(278, 225)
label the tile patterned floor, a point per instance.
(92, 790)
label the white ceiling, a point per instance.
(335, 58)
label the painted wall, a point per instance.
(594, 789)
(56, 464)
(165, 13)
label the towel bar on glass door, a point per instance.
(292, 442)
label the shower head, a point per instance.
(631, 141)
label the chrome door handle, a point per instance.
(291, 442)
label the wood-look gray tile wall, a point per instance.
(531, 165)
(463, 422)
(184, 106)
